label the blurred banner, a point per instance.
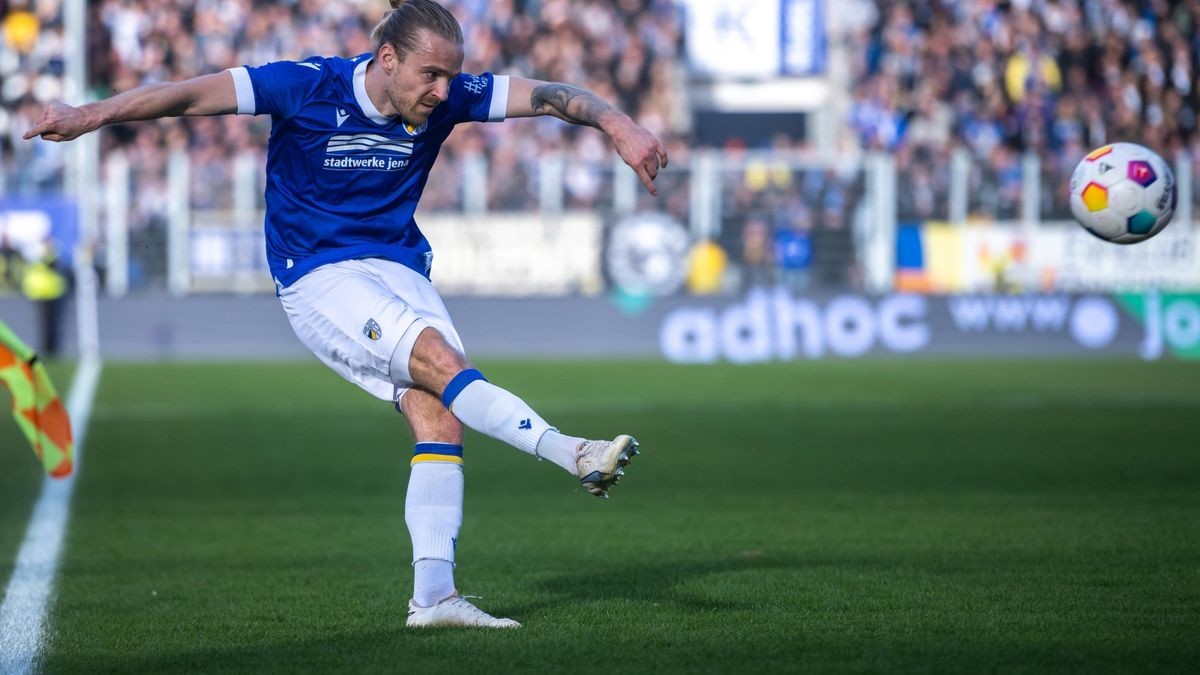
(762, 39)
(517, 254)
(802, 37)
(226, 255)
(937, 257)
(767, 325)
(775, 325)
(30, 227)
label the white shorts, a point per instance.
(356, 315)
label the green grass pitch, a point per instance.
(871, 516)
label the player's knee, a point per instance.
(432, 362)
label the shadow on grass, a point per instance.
(653, 582)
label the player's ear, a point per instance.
(387, 57)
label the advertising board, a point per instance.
(775, 325)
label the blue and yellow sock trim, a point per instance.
(437, 452)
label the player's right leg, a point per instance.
(433, 511)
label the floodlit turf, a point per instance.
(872, 516)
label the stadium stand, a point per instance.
(927, 79)
(998, 78)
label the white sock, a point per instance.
(496, 412)
(560, 449)
(433, 511)
(433, 581)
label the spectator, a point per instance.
(1047, 76)
(610, 47)
(1055, 77)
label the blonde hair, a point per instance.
(408, 17)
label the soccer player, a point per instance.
(352, 142)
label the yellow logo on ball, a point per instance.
(1095, 197)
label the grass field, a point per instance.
(872, 516)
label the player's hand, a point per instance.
(61, 122)
(640, 150)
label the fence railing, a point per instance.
(821, 222)
(713, 196)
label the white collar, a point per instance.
(364, 101)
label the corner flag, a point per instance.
(36, 405)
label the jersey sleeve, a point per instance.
(278, 88)
(479, 98)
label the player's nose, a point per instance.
(442, 90)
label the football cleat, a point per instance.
(601, 463)
(455, 610)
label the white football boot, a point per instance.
(455, 610)
(600, 463)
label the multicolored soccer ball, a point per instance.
(1123, 193)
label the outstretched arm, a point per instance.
(638, 147)
(205, 95)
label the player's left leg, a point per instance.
(433, 511)
(439, 368)
(353, 313)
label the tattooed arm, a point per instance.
(570, 103)
(639, 148)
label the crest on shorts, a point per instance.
(372, 330)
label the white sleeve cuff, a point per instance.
(499, 108)
(245, 91)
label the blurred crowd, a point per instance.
(1002, 77)
(928, 78)
(625, 51)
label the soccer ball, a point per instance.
(1123, 193)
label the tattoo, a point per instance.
(572, 104)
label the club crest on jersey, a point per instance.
(413, 131)
(372, 330)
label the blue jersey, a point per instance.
(343, 181)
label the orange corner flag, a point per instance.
(36, 405)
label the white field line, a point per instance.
(23, 612)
